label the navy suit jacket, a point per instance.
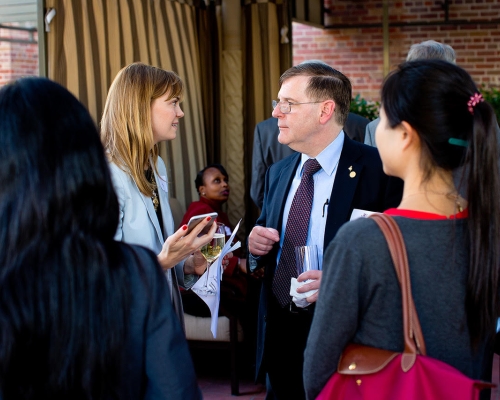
(370, 190)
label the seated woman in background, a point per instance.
(212, 184)
(433, 120)
(239, 290)
(82, 315)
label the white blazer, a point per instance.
(138, 222)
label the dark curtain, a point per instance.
(209, 39)
(265, 59)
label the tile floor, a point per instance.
(219, 388)
(214, 376)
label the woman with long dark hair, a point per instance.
(433, 121)
(81, 315)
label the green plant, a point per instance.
(365, 108)
(492, 96)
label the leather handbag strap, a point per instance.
(414, 339)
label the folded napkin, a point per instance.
(300, 298)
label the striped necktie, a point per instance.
(297, 227)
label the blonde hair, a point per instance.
(126, 130)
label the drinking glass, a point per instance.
(306, 258)
(212, 249)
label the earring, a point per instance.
(203, 194)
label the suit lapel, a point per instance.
(283, 184)
(343, 189)
(166, 213)
(168, 227)
(148, 203)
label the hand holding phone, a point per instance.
(180, 246)
(197, 219)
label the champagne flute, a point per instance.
(213, 248)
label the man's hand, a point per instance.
(314, 284)
(261, 240)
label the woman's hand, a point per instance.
(196, 264)
(177, 247)
(242, 264)
(225, 260)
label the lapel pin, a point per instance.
(350, 168)
(352, 173)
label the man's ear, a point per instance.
(327, 110)
(410, 136)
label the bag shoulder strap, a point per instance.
(414, 339)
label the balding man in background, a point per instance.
(430, 49)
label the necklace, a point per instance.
(450, 195)
(154, 187)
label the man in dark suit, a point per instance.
(267, 150)
(312, 110)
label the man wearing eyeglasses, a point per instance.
(307, 197)
(267, 150)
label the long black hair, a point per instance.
(63, 297)
(436, 98)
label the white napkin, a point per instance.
(300, 298)
(212, 297)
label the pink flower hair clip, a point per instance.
(473, 101)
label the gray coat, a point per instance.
(138, 223)
(370, 132)
(157, 364)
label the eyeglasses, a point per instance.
(286, 106)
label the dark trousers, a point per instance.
(284, 350)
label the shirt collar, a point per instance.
(329, 157)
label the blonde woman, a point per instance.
(142, 109)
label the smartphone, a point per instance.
(197, 219)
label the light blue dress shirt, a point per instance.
(323, 184)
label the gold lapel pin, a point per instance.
(353, 173)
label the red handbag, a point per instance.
(375, 374)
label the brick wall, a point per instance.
(358, 52)
(17, 59)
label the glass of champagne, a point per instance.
(213, 248)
